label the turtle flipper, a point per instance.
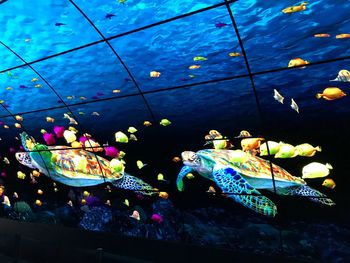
(179, 181)
(307, 191)
(242, 192)
(135, 184)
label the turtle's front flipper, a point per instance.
(304, 190)
(135, 184)
(179, 181)
(241, 191)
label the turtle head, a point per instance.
(191, 159)
(24, 158)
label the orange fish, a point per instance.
(147, 123)
(322, 35)
(176, 159)
(295, 62)
(329, 183)
(331, 93)
(163, 195)
(38, 202)
(251, 144)
(194, 67)
(341, 36)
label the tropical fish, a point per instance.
(341, 36)
(163, 195)
(213, 134)
(21, 175)
(243, 134)
(116, 165)
(6, 160)
(19, 118)
(58, 130)
(329, 183)
(147, 123)
(294, 9)
(109, 16)
(121, 137)
(6, 126)
(160, 177)
(116, 91)
(43, 131)
(18, 126)
(132, 130)
(294, 106)
(165, 122)
(194, 67)
(296, 62)
(111, 151)
(286, 151)
(307, 149)
(222, 144)
(132, 137)
(316, 170)
(190, 176)
(322, 35)
(122, 1)
(220, 25)
(140, 164)
(50, 119)
(82, 98)
(343, 75)
(49, 138)
(136, 215)
(154, 74)
(251, 144)
(234, 54)
(157, 218)
(238, 156)
(38, 86)
(71, 119)
(176, 159)
(126, 202)
(277, 96)
(211, 190)
(199, 58)
(274, 147)
(331, 93)
(9, 88)
(35, 79)
(59, 24)
(69, 136)
(40, 192)
(38, 202)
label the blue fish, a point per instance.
(60, 24)
(220, 25)
(109, 16)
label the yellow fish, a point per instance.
(40, 192)
(140, 164)
(316, 170)
(132, 130)
(116, 91)
(50, 119)
(21, 175)
(296, 62)
(43, 131)
(9, 88)
(194, 67)
(211, 190)
(132, 137)
(322, 35)
(18, 126)
(294, 9)
(6, 126)
(154, 74)
(82, 98)
(176, 159)
(70, 97)
(160, 177)
(331, 93)
(163, 195)
(341, 36)
(126, 202)
(19, 118)
(307, 149)
(35, 79)
(234, 54)
(86, 193)
(190, 176)
(38, 86)
(286, 151)
(147, 123)
(38, 202)
(329, 183)
(6, 160)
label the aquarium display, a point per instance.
(212, 122)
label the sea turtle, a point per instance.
(239, 180)
(56, 162)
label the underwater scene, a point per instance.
(211, 122)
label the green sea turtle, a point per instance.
(57, 162)
(241, 179)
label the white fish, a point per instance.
(71, 119)
(343, 75)
(278, 96)
(294, 106)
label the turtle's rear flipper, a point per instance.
(304, 190)
(135, 184)
(237, 188)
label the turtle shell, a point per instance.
(254, 167)
(96, 168)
